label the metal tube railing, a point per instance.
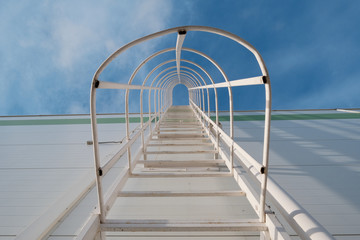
(197, 100)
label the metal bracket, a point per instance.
(265, 79)
(100, 172)
(182, 32)
(269, 211)
(96, 83)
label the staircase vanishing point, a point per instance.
(182, 186)
(186, 177)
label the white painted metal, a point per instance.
(162, 101)
(100, 193)
(235, 83)
(166, 50)
(112, 85)
(241, 153)
(182, 163)
(179, 43)
(179, 175)
(179, 194)
(183, 152)
(303, 222)
(115, 225)
(302, 159)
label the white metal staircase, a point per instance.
(187, 175)
(181, 148)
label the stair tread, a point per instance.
(179, 193)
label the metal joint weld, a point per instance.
(96, 83)
(182, 32)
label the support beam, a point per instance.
(181, 152)
(179, 138)
(181, 163)
(180, 175)
(113, 85)
(179, 135)
(179, 194)
(179, 144)
(179, 42)
(234, 83)
(181, 226)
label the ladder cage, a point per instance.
(167, 133)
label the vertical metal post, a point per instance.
(265, 148)
(208, 101)
(98, 170)
(128, 128)
(203, 104)
(171, 96)
(231, 106)
(199, 98)
(159, 108)
(150, 124)
(142, 123)
(155, 108)
(203, 100)
(217, 120)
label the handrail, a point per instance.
(109, 164)
(251, 161)
(163, 85)
(298, 218)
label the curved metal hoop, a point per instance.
(197, 98)
(162, 85)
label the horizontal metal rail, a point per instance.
(182, 226)
(235, 83)
(179, 194)
(113, 85)
(111, 162)
(160, 99)
(181, 163)
(297, 217)
(180, 175)
(179, 144)
(239, 151)
(180, 152)
(179, 42)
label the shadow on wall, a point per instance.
(180, 95)
(319, 156)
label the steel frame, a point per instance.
(162, 86)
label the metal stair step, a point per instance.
(179, 138)
(181, 226)
(181, 163)
(180, 174)
(179, 144)
(179, 194)
(179, 135)
(192, 130)
(181, 152)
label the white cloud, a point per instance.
(154, 13)
(54, 47)
(69, 38)
(77, 108)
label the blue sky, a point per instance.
(51, 49)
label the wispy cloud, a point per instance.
(54, 47)
(50, 50)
